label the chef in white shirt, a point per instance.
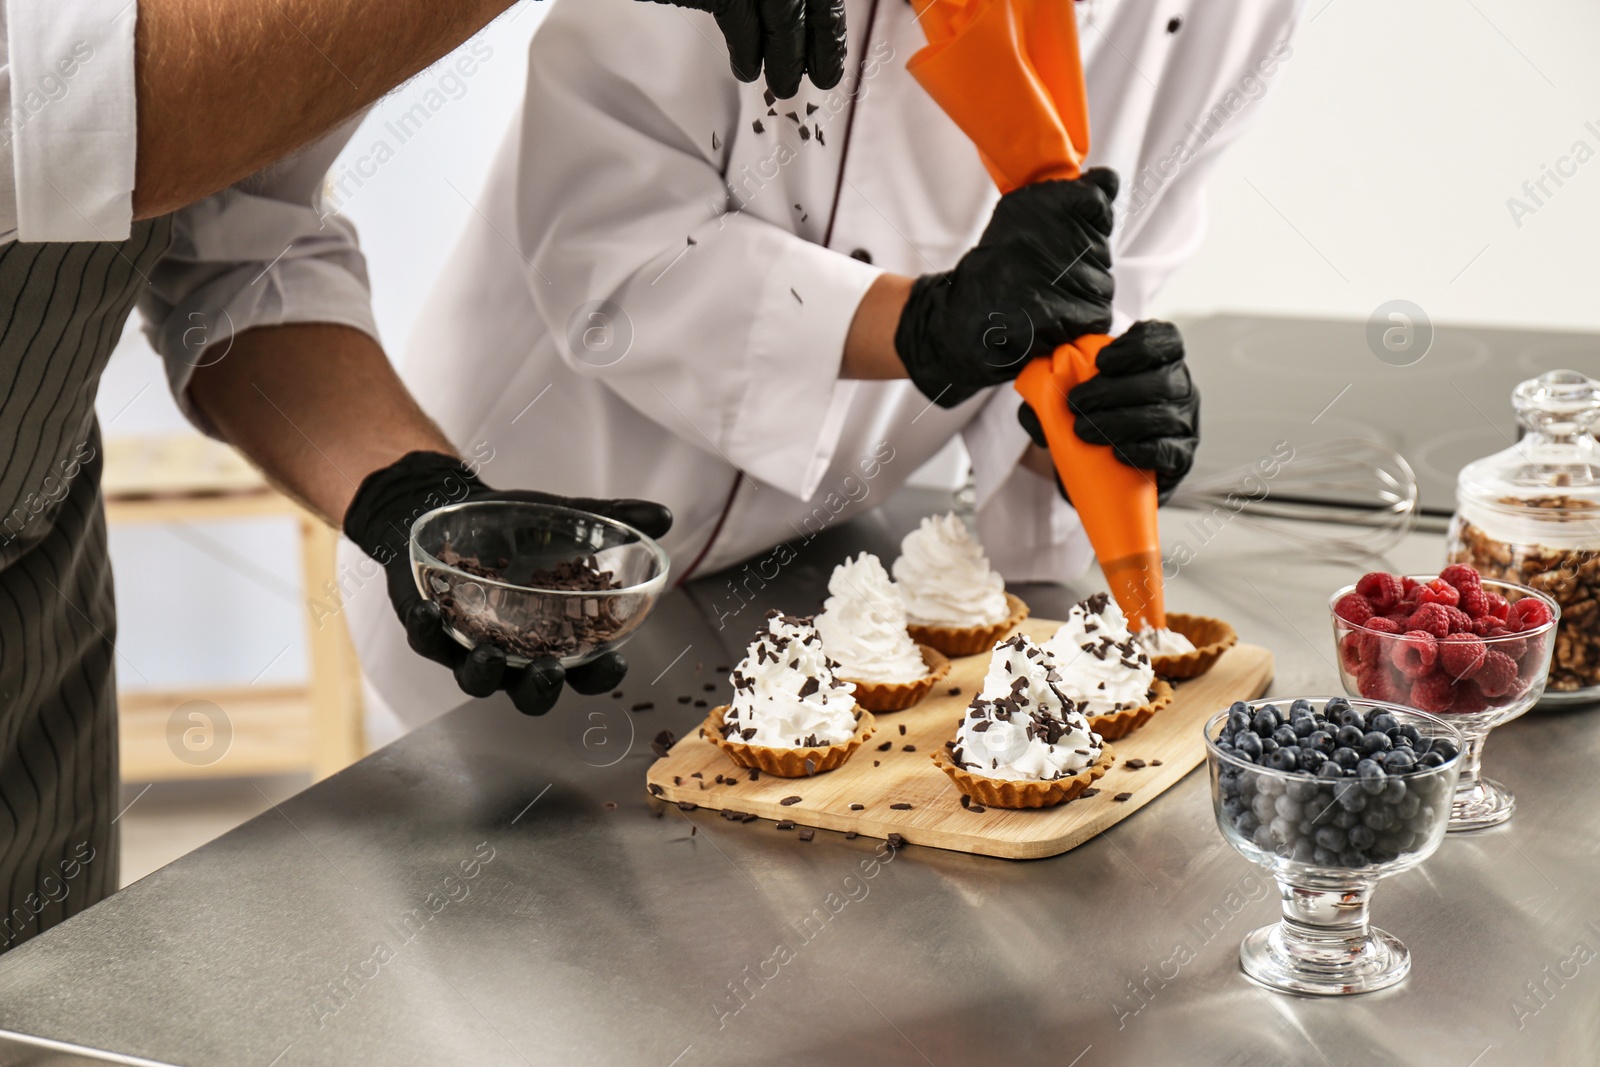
(115, 115)
(678, 287)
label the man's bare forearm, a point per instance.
(316, 407)
(227, 86)
(869, 352)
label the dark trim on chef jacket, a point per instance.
(827, 241)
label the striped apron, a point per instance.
(62, 310)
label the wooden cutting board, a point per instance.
(936, 816)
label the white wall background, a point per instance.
(1380, 168)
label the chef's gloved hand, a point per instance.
(1142, 403)
(793, 37)
(1039, 277)
(379, 522)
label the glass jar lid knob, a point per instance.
(1558, 403)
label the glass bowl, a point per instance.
(536, 580)
(1328, 840)
(1383, 666)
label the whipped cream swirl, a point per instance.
(1023, 727)
(863, 625)
(1101, 665)
(945, 578)
(785, 693)
(1164, 642)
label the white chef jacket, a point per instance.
(655, 299)
(262, 253)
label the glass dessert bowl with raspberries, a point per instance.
(1472, 650)
(1328, 796)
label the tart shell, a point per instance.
(898, 696)
(1120, 724)
(786, 762)
(969, 640)
(1210, 637)
(999, 793)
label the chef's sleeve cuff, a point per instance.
(72, 133)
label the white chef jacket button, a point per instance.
(862, 254)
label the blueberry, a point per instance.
(1311, 760)
(1264, 806)
(1304, 851)
(1325, 814)
(1249, 746)
(1263, 837)
(1377, 817)
(1282, 759)
(1266, 720)
(1445, 748)
(1362, 837)
(1412, 734)
(1268, 745)
(1375, 742)
(1382, 721)
(1399, 761)
(1231, 807)
(1352, 797)
(1407, 807)
(1397, 738)
(1393, 790)
(1430, 760)
(1301, 707)
(1346, 819)
(1330, 769)
(1325, 858)
(1332, 838)
(1336, 704)
(1285, 736)
(1322, 741)
(1238, 721)
(1304, 726)
(1382, 855)
(1353, 858)
(1350, 717)
(1349, 737)
(1346, 757)
(1288, 807)
(1246, 823)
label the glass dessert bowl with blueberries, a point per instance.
(1472, 650)
(1329, 795)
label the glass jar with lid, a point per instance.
(1531, 515)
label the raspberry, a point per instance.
(1414, 653)
(1474, 602)
(1514, 646)
(1461, 656)
(1377, 682)
(1461, 576)
(1408, 586)
(1353, 608)
(1430, 618)
(1530, 613)
(1469, 699)
(1499, 606)
(1439, 592)
(1497, 676)
(1350, 648)
(1382, 590)
(1371, 643)
(1484, 626)
(1433, 692)
(1460, 621)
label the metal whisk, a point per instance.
(1366, 491)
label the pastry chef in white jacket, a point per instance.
(676, 288)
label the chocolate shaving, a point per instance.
(1135, 764)
(1090, 792)
(909, 748)
(687, 805)
(902, 729)
(1123, 796)
(756, 125)
(850, 835)
(955, 691)
(811, 767)
(644, 706)
(786, 824)
(896, 841)
(858, 807)
(755, 774)
(609, 805)
(656, 790)
(811, 686)
(977, 809)
(900, 807)
(806, 834)
(786, 801)
(886, 746)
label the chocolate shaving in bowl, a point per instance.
(558, 634)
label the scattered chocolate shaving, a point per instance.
(698, 774)
(850, 835)
(792, 117)
(617, 695)
(677, 779)
(644, 706)
(806, 834)
(909, 748)
(1135, 764)
(811, 766)
(811, 109)
(966, 801)
(756, 125)
(811, 686)
(786, 824)
(684, 700)
(656, 790)
(886, 746)
(896, 841)
(977, 809)
(701, 704)
(877, 763)
(747, 817)
(1123, 796)
(1155, 763)
(858, 807)
(693, 829)
(900, 807)
(687, 805)
(786, 801)
(770, 97)
(772, 111)
(710, 687)
(805, 133)
(796, 297)
(902, 729)
(610, 805)
(954, 690)
(820, 141)
(755, 774)
(1090, 792)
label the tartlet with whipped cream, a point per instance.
(1190, 646)
(1105, 670)
(791, 715)
(863, 628)
(955, 602)
(1024, 742)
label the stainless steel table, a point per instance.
(469, 895)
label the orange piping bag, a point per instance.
(1010, 74)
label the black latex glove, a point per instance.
(379, 522)
(793, 37)
(1142, 403)
(1039, 277)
